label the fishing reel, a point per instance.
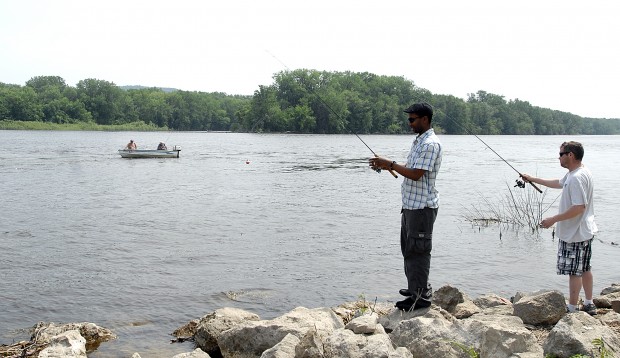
(520, 184)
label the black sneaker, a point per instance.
(405, 292)
(589, 309)
(409, 304)
(427, 294)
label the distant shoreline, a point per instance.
(81, 126)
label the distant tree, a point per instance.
(104, 100)
(20, 104)
(56, 106)
(41, 83)
(451, 115)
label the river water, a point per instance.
(263, 222)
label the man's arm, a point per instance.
(573, 211)
(551, 183)
(410, 173)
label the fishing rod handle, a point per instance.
(391, 170)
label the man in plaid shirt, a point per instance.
(420, 205)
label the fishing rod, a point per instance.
(337, 115)
(520, 184)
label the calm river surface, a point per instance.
(144, 246)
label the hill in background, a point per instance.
(137, 87)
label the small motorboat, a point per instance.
(150, 153)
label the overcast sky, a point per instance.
(563, 55)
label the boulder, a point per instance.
(213, 324)
(465, 309)
(430, 335)
(94, 335)
(447, 297)
(349, 310)
(605, 301)
(500, 336)
(519, 295)
(363, 324)
(343, 343)
(506, 310)
(454, 301)
(196, 353)
(252, 338)
(186, 331)
(392, 319)
(542, 309)
(615, 287)
(311, 344)
(67, 344)
(491, 300)
(284, 349)
(575, 334)
(611, 319)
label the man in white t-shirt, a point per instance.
(575, 224)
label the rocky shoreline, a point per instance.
(527, 325)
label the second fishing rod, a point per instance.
(520, 184)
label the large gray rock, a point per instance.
(500, 336)
(67, 344)
(196, 353)
(430, 335)
(465, 309)
(491, 300)
(363, 324)
(284, 349)
(611, 319)
(615, 287)
(93, 334)
(575, 333)
(606, 300)
(543, 309)
(343, 343)
(186, 331)
(392, 319)
(506, 310)
(519, 295)
(447, 297)
(213, 324)
(311, 344)
(454, 301)
(251, 338)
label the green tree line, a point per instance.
(301, 101)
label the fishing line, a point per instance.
(520, 184)
(335, 113)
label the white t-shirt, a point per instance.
(577, 189)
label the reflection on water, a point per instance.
(260, 222)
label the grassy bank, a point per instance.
(82, 126)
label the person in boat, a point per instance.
(131, 145)
(574, 224)
(162, 146)
(420, 203)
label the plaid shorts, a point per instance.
(574, 258)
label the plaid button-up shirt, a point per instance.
(425, 154)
